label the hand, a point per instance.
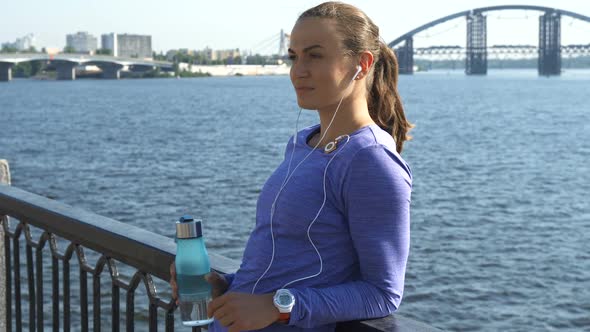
(244, 312)
(218, 283)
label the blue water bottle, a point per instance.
(192, 263)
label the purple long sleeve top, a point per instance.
(362, 233)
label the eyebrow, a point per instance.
(307, 49)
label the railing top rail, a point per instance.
(126, 243)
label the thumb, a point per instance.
(214, 278)
(217, 282)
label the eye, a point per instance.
(315, 55)
(290, 59)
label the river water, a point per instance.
(500, 206)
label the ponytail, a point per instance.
(384, 101)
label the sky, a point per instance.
(255, 25)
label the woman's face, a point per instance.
(320, 71)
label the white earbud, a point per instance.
(358, 70)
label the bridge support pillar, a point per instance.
(550, 44)
(111, 70)
(66, 70)
(6, 71)
(405, 57)
(476, 62)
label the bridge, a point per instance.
(497, 51)
(476, 51)
(66, 64)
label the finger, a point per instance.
(226, 321)
(215, 293)
(215, 278)
(174, 289)
(221, 313)
(224, 315)
(215, 304)
(173, 270)
(173, 284)
(234, 328)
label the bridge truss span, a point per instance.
(476, 51)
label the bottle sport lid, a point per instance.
(187, 227)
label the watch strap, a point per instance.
(284, 317)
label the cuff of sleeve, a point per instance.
(229, 278)
(298, 313)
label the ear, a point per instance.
(366, 61)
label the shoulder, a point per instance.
(373, 150)
(306, 132)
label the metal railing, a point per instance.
(111, 241)
(147, 255)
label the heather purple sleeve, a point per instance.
(376, 194)
(229, 277)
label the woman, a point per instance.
(331, 239)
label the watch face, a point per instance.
(284, 299)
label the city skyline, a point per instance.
(248, 26)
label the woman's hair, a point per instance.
(359, 34)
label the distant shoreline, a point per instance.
(236, 70)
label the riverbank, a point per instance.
(236, 70)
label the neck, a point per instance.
(352, 116)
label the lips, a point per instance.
(303, 89)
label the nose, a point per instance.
(299, 70)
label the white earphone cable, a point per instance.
(272, 207)
(314, 220)
(286, 180)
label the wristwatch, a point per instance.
(284, 301)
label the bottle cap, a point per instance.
(187, 228)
